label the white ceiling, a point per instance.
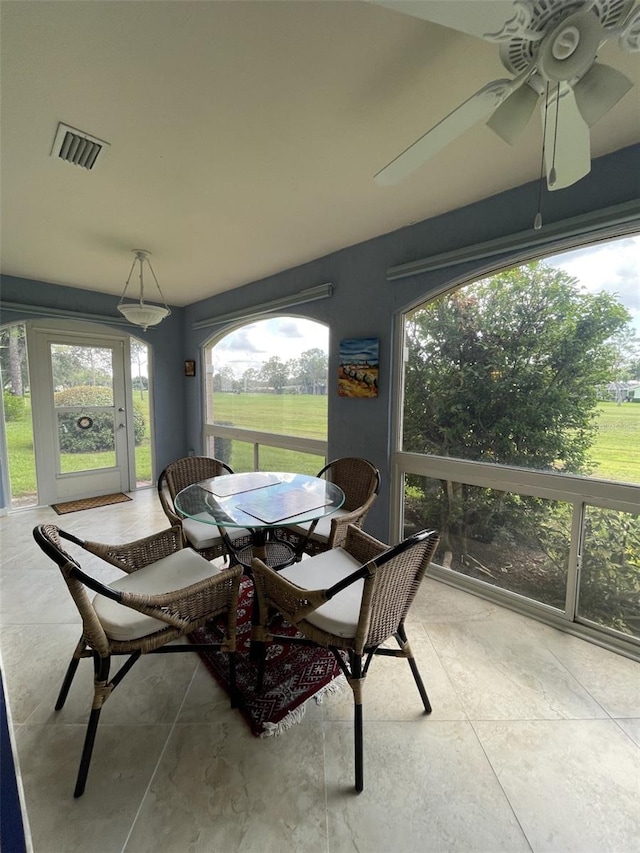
(243, 135)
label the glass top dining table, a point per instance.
(259, 501)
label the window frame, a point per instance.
(258, 438)
(576, 490)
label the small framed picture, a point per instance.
(358, 368)
(189, 368)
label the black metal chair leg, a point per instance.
(356, 671)
(402, 637)
(259, 656)
(71, 671)
(358, 747)
(101, 668)
(87, 751)
(66, 684)
(419, 684)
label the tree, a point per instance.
(224, 379)
(634, 369)
(310, 371)
(274, 374)
(13, 359)
(78, 365)
(139, 359)
(250, 379)
(627, 358)
(507, 369)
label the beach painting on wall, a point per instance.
(358, 367)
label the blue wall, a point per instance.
(364, 304)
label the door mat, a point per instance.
(293, 674)
(90, 503)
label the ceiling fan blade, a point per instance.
(599, 90)
(512, 116)
(474, 17)
(473, 110)
(567, 144)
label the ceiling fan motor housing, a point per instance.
(570, 49)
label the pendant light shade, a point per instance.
(142, 313)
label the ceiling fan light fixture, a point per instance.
(142, 313)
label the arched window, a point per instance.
(522, 405)
(266, 395)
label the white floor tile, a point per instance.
(520, 752)
(427, 787)
(574, 786)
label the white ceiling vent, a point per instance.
(77, 147)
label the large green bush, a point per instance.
(13, 406)
(99, 436)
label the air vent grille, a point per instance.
(77, 147)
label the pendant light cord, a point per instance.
(126, 284)
(141, 295)
(552, 170)
(537, 222)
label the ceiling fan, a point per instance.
(550, 47)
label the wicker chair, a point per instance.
(350, 600)
(165, 593)
(205, 538)
(360, 482)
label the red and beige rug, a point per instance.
(293, 674)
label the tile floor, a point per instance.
(533, 744)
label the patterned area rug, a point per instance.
(90, 503)
(293, 674)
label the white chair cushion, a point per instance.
(340, 615)
(202, 534)
(170, 573)
(323, 527)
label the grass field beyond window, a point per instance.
(304, 415)
(22, 465)
(616, 448)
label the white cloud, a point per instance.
(286, 337)
(612, 266)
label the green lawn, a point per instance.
(617, 447)
(22, 466)
(304, 415)
(286, 414)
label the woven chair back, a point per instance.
(388, 595)
(357, 478)
(192, 469)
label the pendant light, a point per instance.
(142, 313)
